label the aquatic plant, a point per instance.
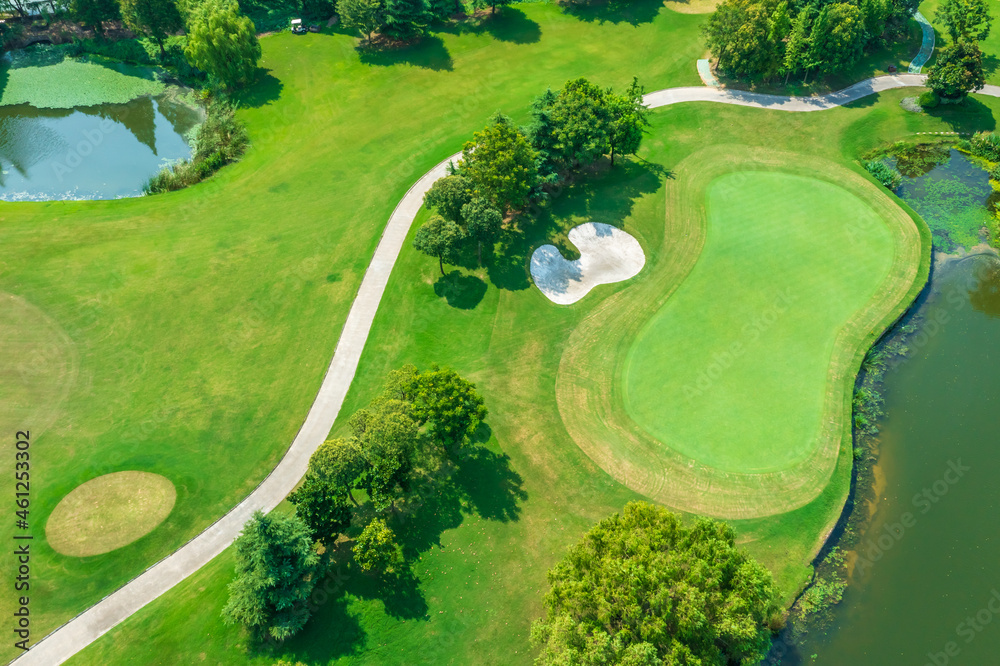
(46, 78)
(883, 173)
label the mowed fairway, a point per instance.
(732, 371)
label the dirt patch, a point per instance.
(109, 512)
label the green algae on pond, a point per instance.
(46, 78)
(953, 201)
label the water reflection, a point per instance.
(97, 152)
(985, 295)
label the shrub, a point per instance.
(987, 145)
(928, 99)
(883, 173)
(222, 139)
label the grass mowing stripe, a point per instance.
(730, 371)
(591, 400)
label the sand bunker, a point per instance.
(607, 255)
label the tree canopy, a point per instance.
(965, 20)
(439, 238)
(483, 223)
(276, 570)
(758, 39)
(95, 12)
(223, 43)
(957, 71)
(404, 19)
(629, 119)
(642, 588)
(322, 504)
(448, 195)
(446, 404)
(365, 16)
(155, 18)
(376, 549)
(500, 164)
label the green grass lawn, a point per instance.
(479, 563)
(186, 334)
(732, 371)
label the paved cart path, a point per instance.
(97, 620)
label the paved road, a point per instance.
(90, 625)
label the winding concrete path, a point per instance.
(926, 44)
(97, 620)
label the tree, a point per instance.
(483, 222)
(448, 405)
(580, 124)
(641, 588)
(376, 548)
(439, 238)
(276, 570)
(95, 12)
(387, 439)
(365, 16)
(404, 19)
(500, 164)
(339, 462)
(965, 20)
(322, 505)
(492, 4)
(448, 195)
(797, 48)
(628, 120)
(957, 71)
(155, 18)
(223, 43)
(838, 37)
(739, 36)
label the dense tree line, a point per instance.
(765, 39)
(505, 167)
(221, 41)
(403, 441)
(402, 20)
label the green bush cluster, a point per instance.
(985, 145)
(883, 173)
(928, 99)
(221, 140)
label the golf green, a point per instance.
(732, 370)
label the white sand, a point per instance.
(607, 255)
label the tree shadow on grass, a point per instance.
(492, 489)
(332, 632)
(968, 117)
(615, 11)
(460, 290)
(267, 89)
(602, 195)
(399, 591)
(513, 25)
(430, 53)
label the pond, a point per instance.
(105, 151)
(925, 588)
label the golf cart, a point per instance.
(297, 27)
